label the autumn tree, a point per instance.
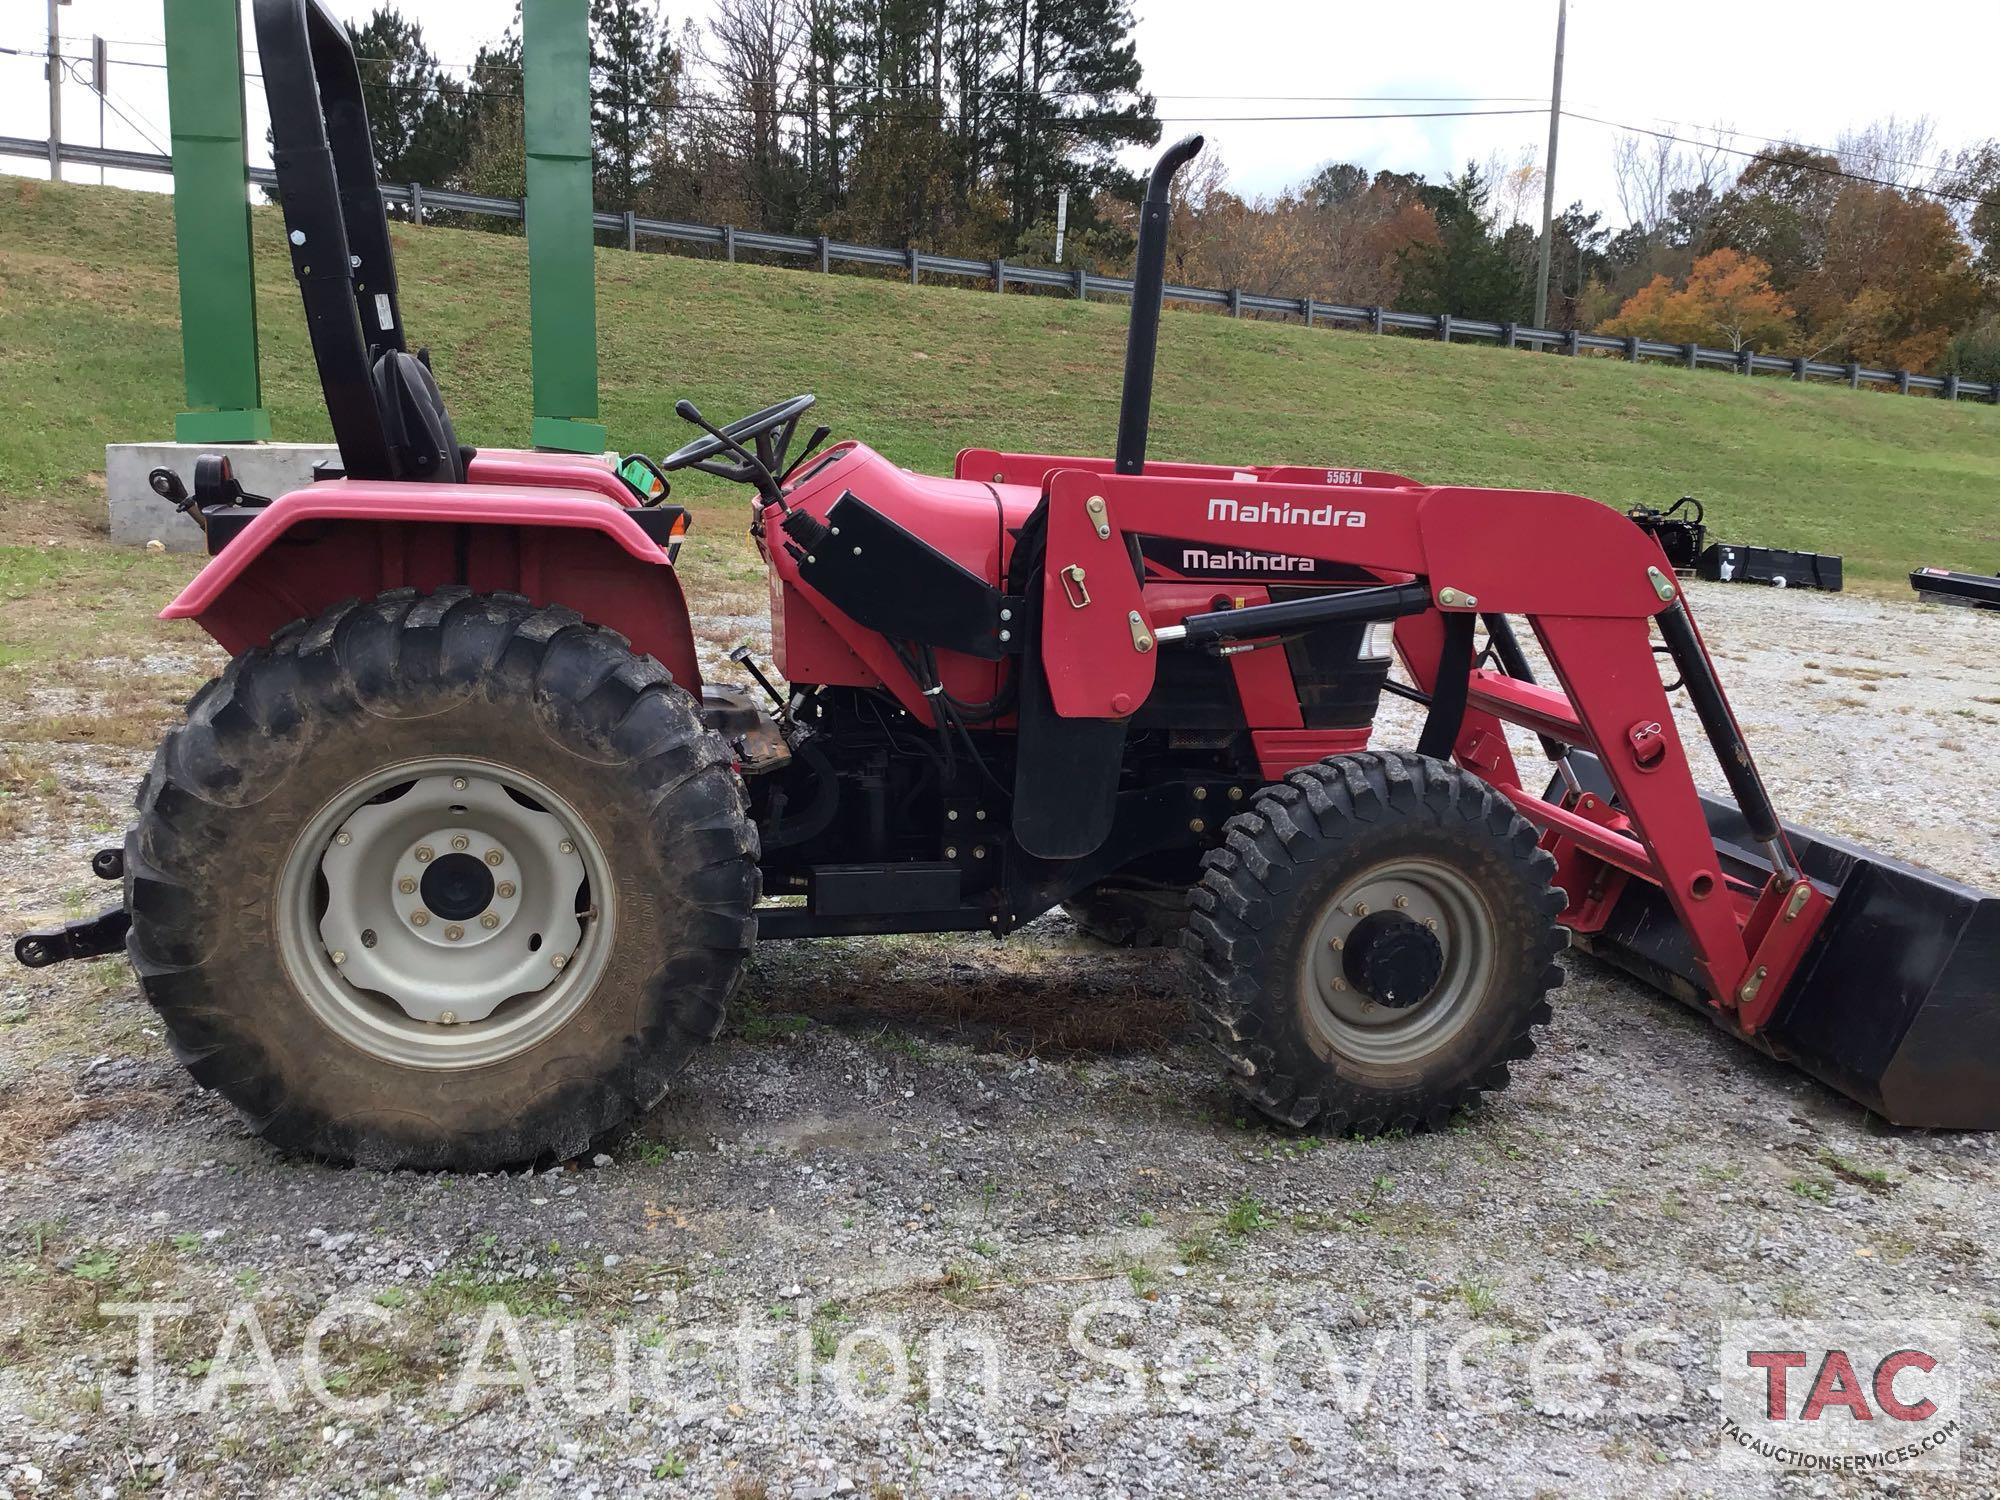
(1727, 297)
(1894, 283)
(1778, 212)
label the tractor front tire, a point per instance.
(442, 880)
(1373, 943)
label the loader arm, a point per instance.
(1589, 583)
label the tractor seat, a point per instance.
(422, 444)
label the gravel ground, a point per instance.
(908, 1157)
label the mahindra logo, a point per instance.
(1202, 560)
(1259, 512)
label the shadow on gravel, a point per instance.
(1029, 996)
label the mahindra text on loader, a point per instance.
(460, 858)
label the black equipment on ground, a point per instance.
(1968, 590)
(1732, 562)
(1680, 536)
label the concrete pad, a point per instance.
(139, 516)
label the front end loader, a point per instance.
(459, 859)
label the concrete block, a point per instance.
(139, 516)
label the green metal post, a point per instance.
(562, 295)
(212, 225)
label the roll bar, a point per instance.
(1143, 327)
(337, 231)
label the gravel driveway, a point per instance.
(942, 1217)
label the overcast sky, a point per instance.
(1807, 69)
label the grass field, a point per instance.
(90, 351)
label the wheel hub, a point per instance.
(1401, 955)
(457, 887)
(1392, 959)
(449, 895)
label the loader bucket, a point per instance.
(1895, 1004)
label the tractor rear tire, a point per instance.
(591, 930)
(1130, 916)
(1373, 943)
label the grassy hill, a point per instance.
(90, 351)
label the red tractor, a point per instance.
(460, 858)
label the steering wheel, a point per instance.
(768, 433)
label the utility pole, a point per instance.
(1549, 176)
(100, 79)
(55, 93)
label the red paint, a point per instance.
(1282, 750)
(351, 538)
(552, 470)
(1034, 469)
(968, 521)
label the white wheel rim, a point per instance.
(444, 913)
(1453, 909)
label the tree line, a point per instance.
(955, 124)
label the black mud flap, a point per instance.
(1066, 771)
(1896, 1004)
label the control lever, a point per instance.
(820, 435)
(742, 657)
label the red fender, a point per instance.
(351, 538)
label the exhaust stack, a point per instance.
(1143, 328)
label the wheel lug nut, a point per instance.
(458, 783)
(448, 1018)
(567, 847)
(407, 886)
(489, 921)
(1361, 908)
(454, 932)
(1335, 944)
(424, 855)
(494, 856)
(1340, 984)
(420, 918)
(339, 958)
(461, 843)
(558, 961)
(505, 888)
(1432, 923)
(343, 837)
(1402, 902)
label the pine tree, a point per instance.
(635, 81)
(417, 113)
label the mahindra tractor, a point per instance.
(460, 858)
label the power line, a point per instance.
(1780, 140)
(70, 66)
(1767, 156)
